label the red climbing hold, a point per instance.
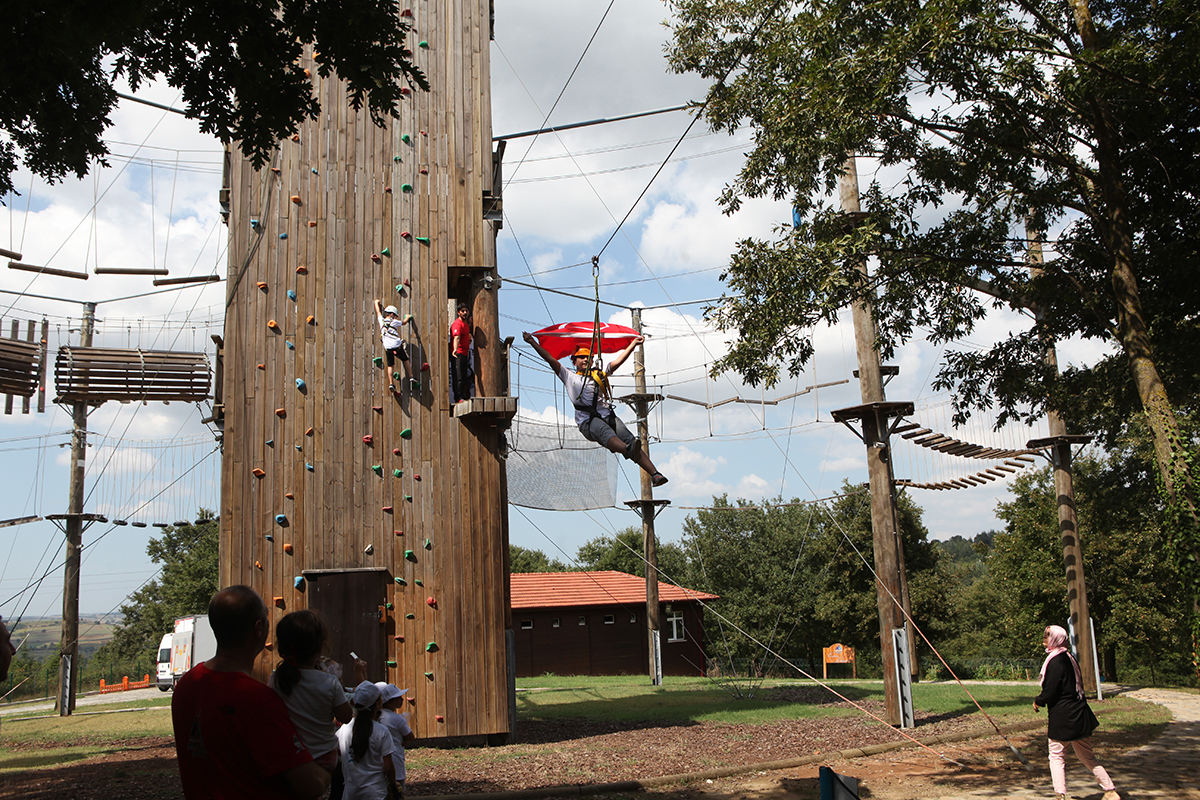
(423, 133)
(425, 366)
(405, 235)
(407, 283)
(424, 171)
(431, 602)
(387, 189)
(440, 718)
(387, 509)
(377, 409)
(398, 533)
(416, 477)
(375, 257)
(395, 451)
(368, 439)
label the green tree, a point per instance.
(624, 553)
(997, 117)
(188, 555)
(521, 560)
(234, 62)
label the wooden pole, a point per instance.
(1064, 491)
(649, 543)
(68, 664)
(875, 436)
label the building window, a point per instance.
(582, 620)
(609, 619)
(526, 624)
(554, 623)
(675, 626)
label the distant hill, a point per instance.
(42, 636)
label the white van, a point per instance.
(165, 681)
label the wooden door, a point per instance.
(352, 603)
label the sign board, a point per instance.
(838, 654)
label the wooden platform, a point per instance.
(501, 407)
(95, 375)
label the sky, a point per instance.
(565, 194)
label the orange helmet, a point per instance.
(581, 351)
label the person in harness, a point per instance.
(589, 391)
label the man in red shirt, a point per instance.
(460, 348)
(233, 737)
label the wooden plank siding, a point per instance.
(337, 521)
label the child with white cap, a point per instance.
(366, 749)
(397, 724)
(393, 345)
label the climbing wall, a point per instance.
(327, 475)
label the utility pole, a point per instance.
(1059, 444)
(647, 508)
(875, 414)
(73, 527)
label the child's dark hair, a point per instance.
(299, 636)
(360, 736)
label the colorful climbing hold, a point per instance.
(412, 698)
(398, 533)
(386, 252)
(377, 469)
(308, 466)
(291, 293)
(410, 616)
(302, 270)
(377, 361)
(283, 236)
(404, 235)
(289, 495)
(272, 324)
(406, 433)
(395, 158)
(281, 519)
(423, 171)
(262, 285)
(269, 442)
(404, 90)
(401, 581)
(424, 45)
(415, 385)
(278, 602)
(258, 565)
(296, 199)
(406, 12)
(299, 449)
(281, 412)
(406, 187)
(287, 548)
(424, 366)
(298, 582)
(309, 432)
(432, 646)
(312, 223)
(388, 606)
(423, 133)
(398, 637)
(416, 477)
(369, 549)
(387, 509)
(377, 409)
(428, 544)
(429, 675)
(262, 366)
(397, 473)
(408, 498)
(423, 239)
(391, 663)
(300, 384)
(310, 319)
(395, 451)
(418, 582)
(406, 138)
(410, 555)
(256, 472)
(313, 170)
(439, 717)
(407, 318)
(387, 189)
(368, 440)
(375, 257)
(254, 224)
(290, 346)
(431, 601)
(270, 538)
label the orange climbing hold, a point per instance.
(256, 472)
(296, 199)
(262, 285)
(272, 324)
(308, 432)
(262, 366)
(281, 412)
(312, 223)
(279, 602)
(295, 137)
(287, 548)
(310, 319)
(258, 565)
(275, 170)
(289, 496)
(301, 270)
(307, 73)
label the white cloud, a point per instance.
(691, 474)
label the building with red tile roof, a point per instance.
(594, 623)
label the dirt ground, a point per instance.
(569, 753)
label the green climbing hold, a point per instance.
(399, 288)
(378, 361)
(406, 433)
(391, 663)
(418, 582)
(410, 555)
(406, 138)
(429, 675)
(410, 616)
(406, 187)
(377, 469)
(423, 44)
(395, 158)
(431, 647)
(388, 606)
(401, 581)
(423, 239)
(428, 544)
(385, 252)
(408, 497)
(398, 473)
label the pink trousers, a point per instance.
(1083, 751)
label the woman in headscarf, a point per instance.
(1071, 718)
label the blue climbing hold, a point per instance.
(300, 384)
(308, 467)
(291, 293)
(298, 581)
(291, 346)
(270, 538)
(281, 518)
(283, 236)
(270, 443)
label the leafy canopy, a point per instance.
(235, 62)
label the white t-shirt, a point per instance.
(311, 705)
(365, 779)
(581, 390)
(397, 726)
(389, 331)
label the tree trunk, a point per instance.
(1170, 449)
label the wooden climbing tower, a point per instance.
(387, 514)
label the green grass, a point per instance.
(26, 744)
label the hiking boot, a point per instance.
(633, 450)
(658, 479)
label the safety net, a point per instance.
(552, 467)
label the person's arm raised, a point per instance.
(624, 354)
